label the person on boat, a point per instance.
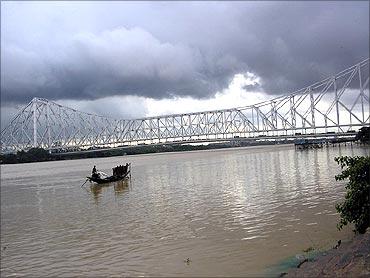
(94, 172)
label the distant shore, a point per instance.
(40, 155)
(349, 259)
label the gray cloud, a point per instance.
(163, 49)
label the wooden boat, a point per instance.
(101, 177)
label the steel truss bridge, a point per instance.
(338, 104)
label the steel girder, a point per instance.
(339, 103)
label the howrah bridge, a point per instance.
(337, 105)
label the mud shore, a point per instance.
(349, 259)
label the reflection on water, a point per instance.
(232, 212)
(119, 187)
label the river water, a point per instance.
(232, 212)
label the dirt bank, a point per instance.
(350, 259)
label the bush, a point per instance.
(356, 206)
(8, 158)
(32, 155)
(38, 154)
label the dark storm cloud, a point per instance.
(118, 62)
(159, 50)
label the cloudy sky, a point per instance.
(135, 59)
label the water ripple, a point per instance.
(232, 212)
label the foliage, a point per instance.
(356, 206)
(9, 158)
(39, 154)
(32, 155)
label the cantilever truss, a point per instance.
(339, 103)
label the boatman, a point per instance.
(95, 172)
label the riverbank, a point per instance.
(349, 259)
(40, 155)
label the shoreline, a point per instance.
(349, 259)
(8, 159)
(154, 151)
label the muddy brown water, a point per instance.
(232, 212)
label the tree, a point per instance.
(38, 154)
(32, 155)
(356, 206)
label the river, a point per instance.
(231, 212)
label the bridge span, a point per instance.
(336, 106)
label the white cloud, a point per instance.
(126, 107)
(233, 96)
(131, 107)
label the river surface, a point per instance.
(232, 212)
